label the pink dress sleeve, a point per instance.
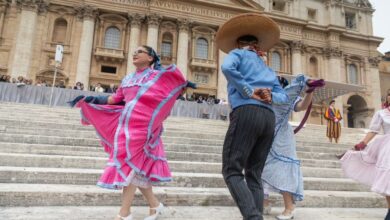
(376, 123)
(118, 96)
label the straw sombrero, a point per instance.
(265, 29)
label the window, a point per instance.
(108, 69)
(311, 14)
(353, 74)
(112, 38)
(279, 5)
(350, 20)
(166, 46)
(59, 31)
(313, 69)
(202, 49)
(276, 62)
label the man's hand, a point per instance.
(263, 95)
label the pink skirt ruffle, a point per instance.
(371, 166)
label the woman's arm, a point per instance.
(304, 103)
(117, 97)
(110, 100)
(369, 136)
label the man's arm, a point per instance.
(230, 70)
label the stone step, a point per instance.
(310, 151)
(74, 141)
(86, 195)
(201, 157)
(56, 161)
(183, 212)
(177, 151)
(22, 109)
(37, 175)
(169, 132)
(35, 152)
(190, 126)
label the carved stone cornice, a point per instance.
(374, 61)
(3, 5)
(297, 46)
(333, 52)
(86, 12)
(154, 20)
(62, 10)
(183, 24)
(136, 19)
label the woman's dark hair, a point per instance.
(283, 81)
(156, 58)
(333, 101)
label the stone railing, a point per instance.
(198, 63)
(109, 54)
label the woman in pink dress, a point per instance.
(369, 162)
(131, 132)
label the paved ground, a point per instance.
(183, 213)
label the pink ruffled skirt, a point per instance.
(370, 166)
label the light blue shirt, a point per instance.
(245, 71)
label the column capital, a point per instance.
(183, 24)
(136, 19)
(43, 7)
(33, 5)
(154, 19)
(86, 12)
(3, 5)
(333, 52)
(374, 61)
(297, 46)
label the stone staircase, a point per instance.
(49, 164)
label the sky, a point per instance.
(381, 23)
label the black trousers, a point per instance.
(247, 144)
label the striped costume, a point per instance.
(333, 116)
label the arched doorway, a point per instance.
(48, 75)
(357, 112)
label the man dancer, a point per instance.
(252, 87)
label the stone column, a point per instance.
(182, 48)
(153, 24)
(374, 79)
(296, 50)
(3, 7)
(25, 38)
(222, 82)
(88, 14)
(134, 42)
(334, 56)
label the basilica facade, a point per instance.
(330, 39)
